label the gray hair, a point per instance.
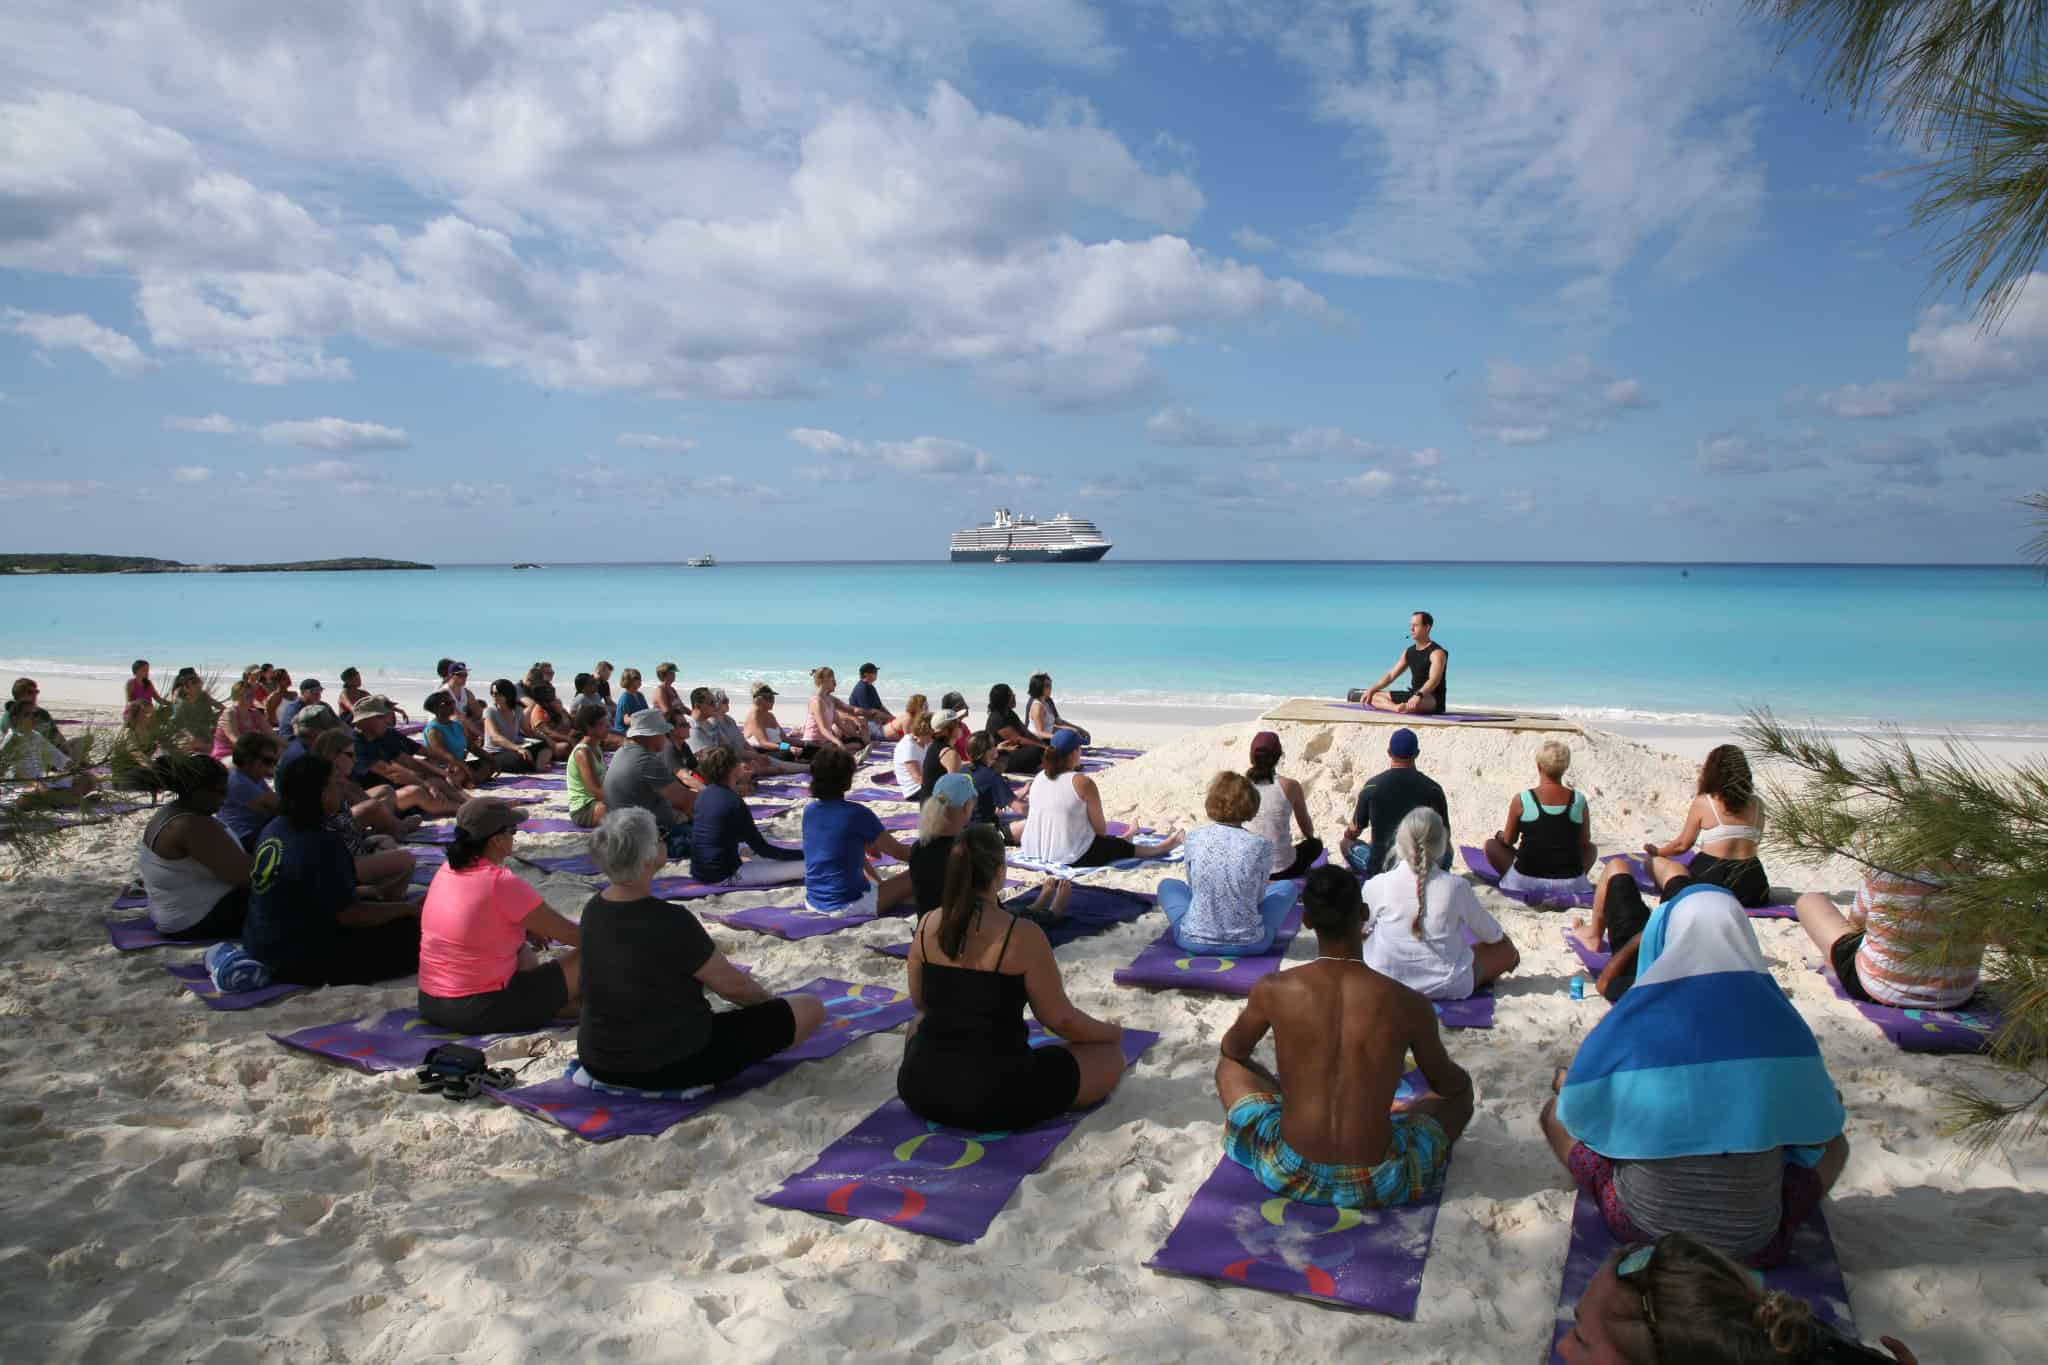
(1421, 843)
(932, 817)
(624, 843)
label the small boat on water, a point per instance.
(1000, 559)
(529, 566)
(703, 562)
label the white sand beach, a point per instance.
(181, 1187)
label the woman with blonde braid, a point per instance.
(1417, 914)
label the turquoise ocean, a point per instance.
(1924, 647)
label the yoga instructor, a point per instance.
(1428, 665)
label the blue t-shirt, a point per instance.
(286, 712)
(864, 697)
(300, 880)
(721, 824)
(629, 702)
(235, 812)
(293, 752)
(836, 838)
(992, 792)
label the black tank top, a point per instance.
(1418, 672)
(969, 1010)
(933, 769)
(1548, 846)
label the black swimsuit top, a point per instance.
(970, 1010)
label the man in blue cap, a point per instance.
(1384, 802)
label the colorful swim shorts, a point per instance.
(1415, 1160)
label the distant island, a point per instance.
(63, 563)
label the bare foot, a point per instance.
(1583, 932)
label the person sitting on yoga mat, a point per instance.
(1546, 846)
(866, 703)
(1384, 802)
(1678, 1299)
(711, 728)
(1341, 1035)
(640, 775)
(1066, 825)
(646, 964)
(32, 748)
(384, 755)
(630, 701)
(940, 756)
(1042, 713)
(1419, 915)
(250, 802)
(906, 760)
(545, 719)
(583, 774)
(371, 811)
(447, 740)
(667, 699)
(243, 715)
(601, 680)
(722, 823)
(381, 864)
(900, 724)
(1729, 1128)
(309, 693)
(973, 967)
(953, 701)
(194, 870)
(1229, 906)
(939, 821)
(480, 929)
(1282, 805)
(827, 724)
(142, 698)
(765, 733)
(1898, 945)
(506, 741)
(306, 922)
(838, 838)
(1428, 666)
(1018, 749)
(996, 802)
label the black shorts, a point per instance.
(530, 1000)
(360, 957)
(739, 1038)
(223, 921)
(1842, 957)
(988, 1093)
(1741, 877)
(511, 760)
(1106, 849)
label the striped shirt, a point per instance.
(1901, 916)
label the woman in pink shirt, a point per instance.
(478, 932)
(243, 716)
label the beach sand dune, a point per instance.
(178, 1186)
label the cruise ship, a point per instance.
(1009, 539)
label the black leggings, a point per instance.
(739, 1038)
(360, 957)
(1107, 848)
(223, 921)
(1025, 760)
(1305, 852)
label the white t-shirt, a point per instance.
(1439, 964)
(909, 764)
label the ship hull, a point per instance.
(1083, 554)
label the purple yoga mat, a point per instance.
(1237, 1230)
(853, 1013)
(1595, 963)
(1091, 910)
(1477, 864)
(572, 864)
(397, 1040)
(1455, 717)
(131, 897)
(905, 819)
(525, 782)
(1474, 1011)
(792, 922)
(1969, 1029)
(132, 935)
(194, 979)
(877, 794)
(897, 1168)
(1812, 1271)
(1168, 966)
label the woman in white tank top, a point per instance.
(1281, 805)
(1066, 826)
(194, 870)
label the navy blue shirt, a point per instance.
(293, 752)
(299, 882)
(722, 823)
(864, 697)
(992, 792)
(1384, 802)
(382, 749)
(836, 837)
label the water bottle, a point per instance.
(1578, 986)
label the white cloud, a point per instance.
(640, 440)
(320, 471)
(1949, 356)
(51, 490)
(74, 331)
(1531, 404)
(191, 473)
(1371, 483)
(1732, 453)
(918, 455)
(335, 433)
(1186, 427)
(213, 424)
(1251, 239)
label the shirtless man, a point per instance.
(1341, 1033)
(1427, 663)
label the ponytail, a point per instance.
(1420, 842)
(974, 864)
(1262, 767)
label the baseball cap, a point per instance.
(369, 708)
(480, 817)
(647, 723)
(1404, 744)
(1065, 742)
(955, 789)
(763, 690)
(1265, 742)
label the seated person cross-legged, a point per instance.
(1066, 825)
(1342, 1033)
(193, 867)
(838, 837)
(1419, 919)
(1898, 945)
(479, 931)
(1731, 1135)
(1283, 807)
(583, 774)
(972, 969)
(646, 964)
(722, 823)
(639, 775)
(940, 819)
(1545, 847)
(1228, 906)
(306, 922)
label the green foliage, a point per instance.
(1985, 827)
(1968, 78)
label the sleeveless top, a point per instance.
(1272, 823)
(830, 709)
(934, 768)
(580, 795)
(1057, 829)
(1548, 838)
(453, 736)
(181, 890)
(967, 1009)
(1418, 672)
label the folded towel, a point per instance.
(234, 972)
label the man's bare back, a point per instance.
(1342, 1033)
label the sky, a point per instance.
(1350, 279)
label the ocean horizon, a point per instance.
(1844, 645)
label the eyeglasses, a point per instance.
(1633, 1270)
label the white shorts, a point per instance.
(868, 905)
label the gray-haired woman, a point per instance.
(646, 965)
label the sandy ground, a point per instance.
(183, 1188)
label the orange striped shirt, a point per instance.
(1902, 915)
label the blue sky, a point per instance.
(1236, 278)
